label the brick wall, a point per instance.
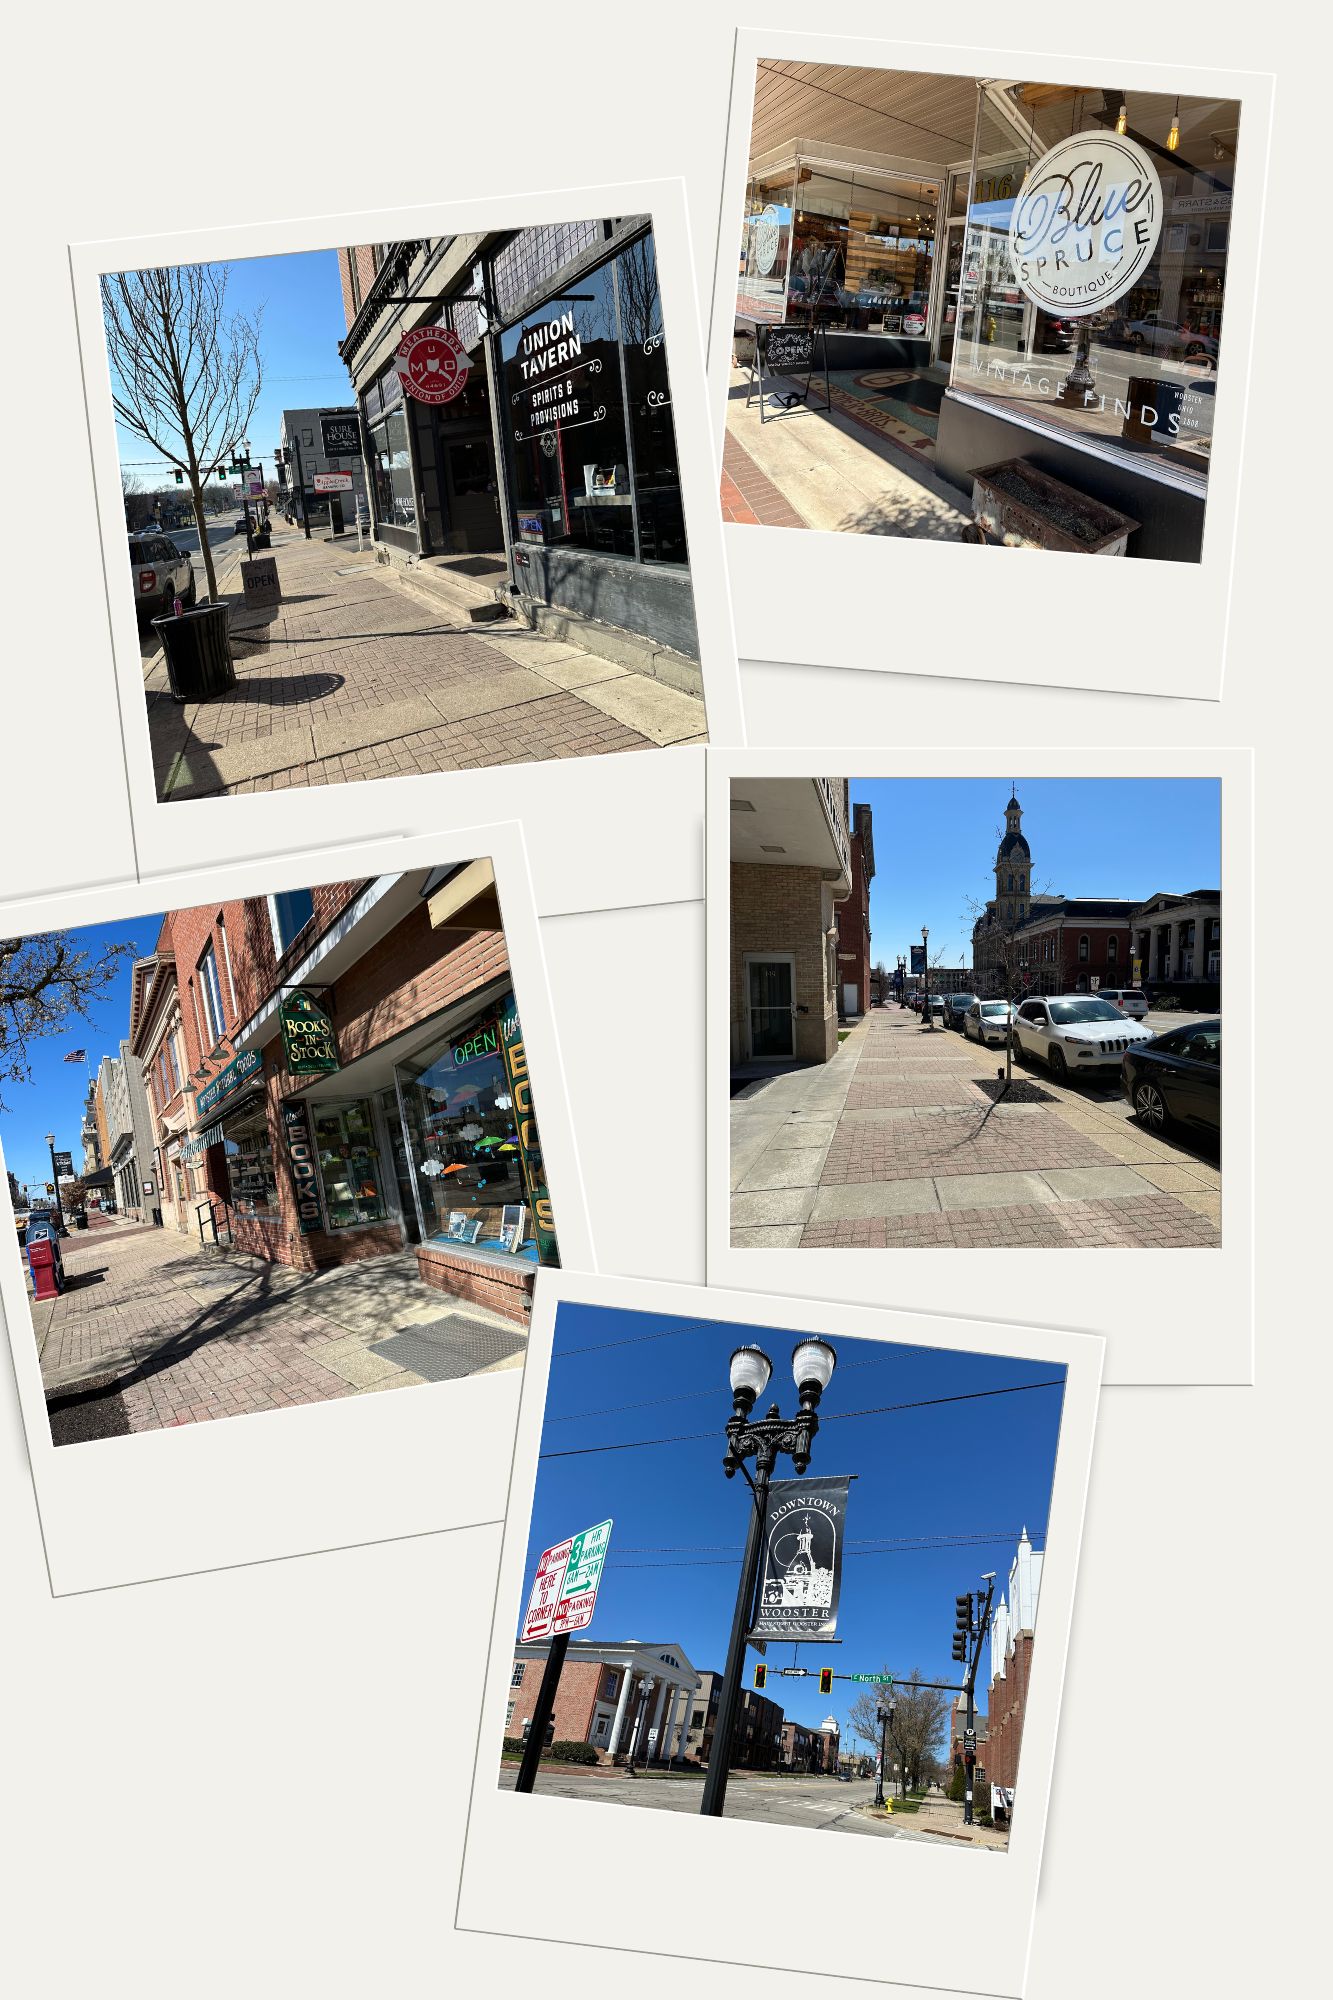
(580, 1681)
(505, 1288)
(1008, 1705)
(853, 920)
(781, 909)
(360, 257)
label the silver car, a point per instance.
(988, 1022)
(161, 573)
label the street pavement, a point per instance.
(154, 1331)
(362, 673)
(895, 1144)
(826, 1805)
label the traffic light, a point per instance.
(179, 478)
(960, 1646)
(963, 1613)
(760, 1675)
(826, 1680)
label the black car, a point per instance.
(1177, 1078)
(955, 1008)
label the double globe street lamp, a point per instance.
(765, 1440)
(884, 1712)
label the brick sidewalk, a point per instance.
(360, 674)
(896, 1144)
(153, 1332)
(749, 495)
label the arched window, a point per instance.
(1083, 950)
(1011, 881)
(1112, 950)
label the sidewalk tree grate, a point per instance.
(92, 1408)
(447, 1349)
(1020, 1091)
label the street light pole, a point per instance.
(648, 1687)
(925, 973)
(765, 1440)
(55, 1182)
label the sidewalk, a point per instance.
(362, 673)
(896, 1143)
(153, 1332)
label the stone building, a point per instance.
(791, 865)
(1177, 943)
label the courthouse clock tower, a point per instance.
(1013, 870)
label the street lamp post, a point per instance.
(649, 1687)
(925, 973)
(770, 1437)
(55, 1182)
(883, 1715)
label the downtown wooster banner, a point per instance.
(800, 1570)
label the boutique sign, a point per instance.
(1085, 223)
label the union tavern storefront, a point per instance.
(539, 463)
(367, 1089)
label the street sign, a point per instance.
(333, 482)
(876, 1680)
(432, 364)
(969, 1739)
(64, 1164)
(564, 1590)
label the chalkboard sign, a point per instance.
(788, 349)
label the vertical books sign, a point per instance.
(801, 1572)
(304, 1170)
(529, 1140)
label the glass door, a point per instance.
(471, 497)
(772, 1008)
(950, 293)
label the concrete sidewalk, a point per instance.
(153, 1331)
(896, 1143)
(363, 672)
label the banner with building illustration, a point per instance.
(801, 1566)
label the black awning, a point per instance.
(102, 1178)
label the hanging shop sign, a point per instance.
(432, 364)
(342, 437)
(333, 482)
(529, 1140)
(767, 237)
(801, 1570)
(228, 1081)
(303, 1166)
(308, 1040)
(1085, 223)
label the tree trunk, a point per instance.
(200, 521)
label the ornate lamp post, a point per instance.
(649, 1687)
(883, 1715)
(765, 1441)
(925, 960)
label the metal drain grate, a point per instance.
(447, 1349)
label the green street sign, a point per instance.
(878, 1680)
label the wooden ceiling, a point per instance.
(901, 112)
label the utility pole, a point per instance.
(925, 973)
(300, 478)
(971, 1622)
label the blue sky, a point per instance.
(53, 1101)
(974, 1472)
(935, 841)
(303, 323)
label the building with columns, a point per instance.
(1177, 942)
(636, 1695)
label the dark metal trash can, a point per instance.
(198, 653)
(80, 1220)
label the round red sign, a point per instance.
(432, 364)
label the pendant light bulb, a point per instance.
(1123, 120)
(1173, 136)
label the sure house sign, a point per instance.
(1085, 223)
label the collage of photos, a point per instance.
(757, 1151)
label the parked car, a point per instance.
(1074, 1032)
(1156, 334)
(1130, 1000)
(934, 1007)
(238, 527)
(988, 1022)
(955, 1008)
(1176, 1078)
(162, 573)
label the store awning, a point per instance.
(102, 1178)
(464, 899)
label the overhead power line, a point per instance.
(842, 1416)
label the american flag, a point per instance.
(77, 1055)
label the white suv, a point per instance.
(1129, 999)
(1075, 1032)
(162, 573)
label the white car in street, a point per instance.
(1130, 1000)
(1075, 1033)
(988, 1021)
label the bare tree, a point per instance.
(186, 372)
(45, 981)
(919, 1716)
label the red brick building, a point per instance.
(352, 1081)
(1013, 1627)
(790, 867)
(853, 918)
(1028, 941)
(157, 1038)
(635, 1698)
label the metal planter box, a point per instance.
(1022, 508)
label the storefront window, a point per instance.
(564, 414)
(349, 1164)
(863, 252)
(1138, 373)
(463, 1125)
(391, 470)
(251, 1173)
(761, 281)
(652, 428)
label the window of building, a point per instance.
(391, 471)
(862, 249)
(226, 960)
(210, 990)
(1112, 950)
(349, 1164)
(251, 1171)
(289, 913)
(652, 428)
(1147, 387)
(509, 1713)
(516, 1678)
(1084, 950)
(464, 1141)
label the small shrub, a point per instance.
(572, 1753)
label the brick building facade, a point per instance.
(756, 1739)
(791, 865)
(1012, 1630)
(853, 922)
(632, 1698)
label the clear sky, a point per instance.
(53, 1101)
(303, 323)
(935, 841)
(941, 1495)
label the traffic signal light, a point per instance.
(826, 1680)
(960, 1646)
(180, 478)
(760, 1675)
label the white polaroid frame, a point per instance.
(1185, 606)
(566, 804)
(601, 1875)
(322, 1475)
(1200, 1328)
